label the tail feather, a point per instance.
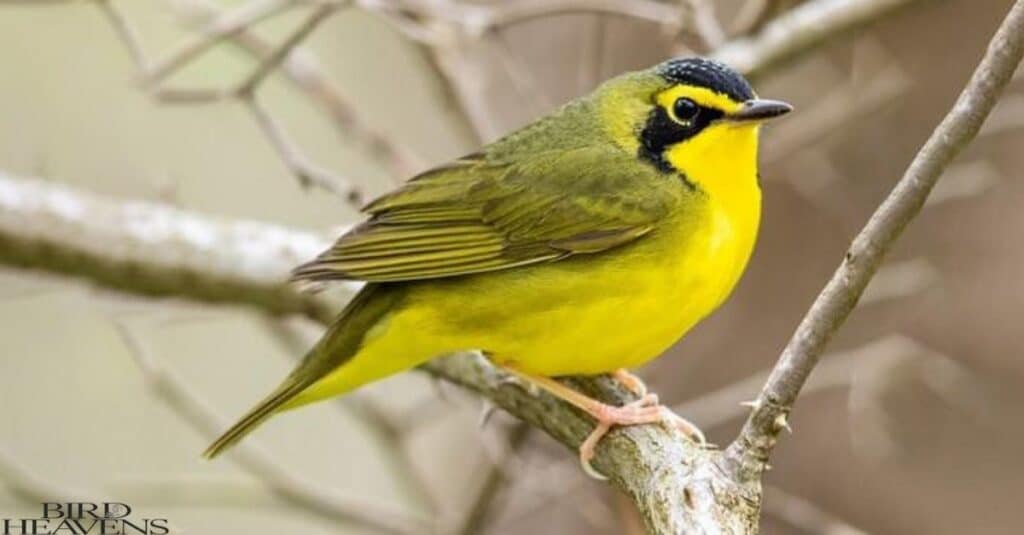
(256, 416)
(338, 345)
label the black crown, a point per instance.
(708, 73)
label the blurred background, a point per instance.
(912, 425)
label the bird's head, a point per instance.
(687, 115)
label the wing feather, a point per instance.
(475, 215)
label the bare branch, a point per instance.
(750, 451)
(441, 28)
(303, 70)
(308, 173)
(677, 486)
(273, 60)
(153, 249)
(270, 58)
(231, 23)
(126, 33)
(800, 30)
(478, 20)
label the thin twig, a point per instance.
(273, 60)
(126, 33)
(270, 58)
(307, 172)
(302, 69)
(800, 30)
(750, 451)
(479, 19)
(228, 24)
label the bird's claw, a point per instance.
(642, 411)
(645, 410)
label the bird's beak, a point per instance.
(758, 110)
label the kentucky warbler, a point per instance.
(585, 243)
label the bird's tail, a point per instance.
(335, 349)
(256, 416)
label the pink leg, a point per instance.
(645, 410)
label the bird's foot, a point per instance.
(632, 383)
(642, 411)
(645, 410)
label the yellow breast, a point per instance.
(595, 313)
(681, 274)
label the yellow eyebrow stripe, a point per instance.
(701, 95)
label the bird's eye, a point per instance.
(685, 109)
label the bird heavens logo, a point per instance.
(85, 518)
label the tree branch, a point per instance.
(153, 249)
(478, 20)
(303, 69)
(750, 451)
(800, 30)
(231, 23)
(677, 486)
(235, 25)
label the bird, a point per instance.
(585, 243)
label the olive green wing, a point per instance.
(477, 215)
